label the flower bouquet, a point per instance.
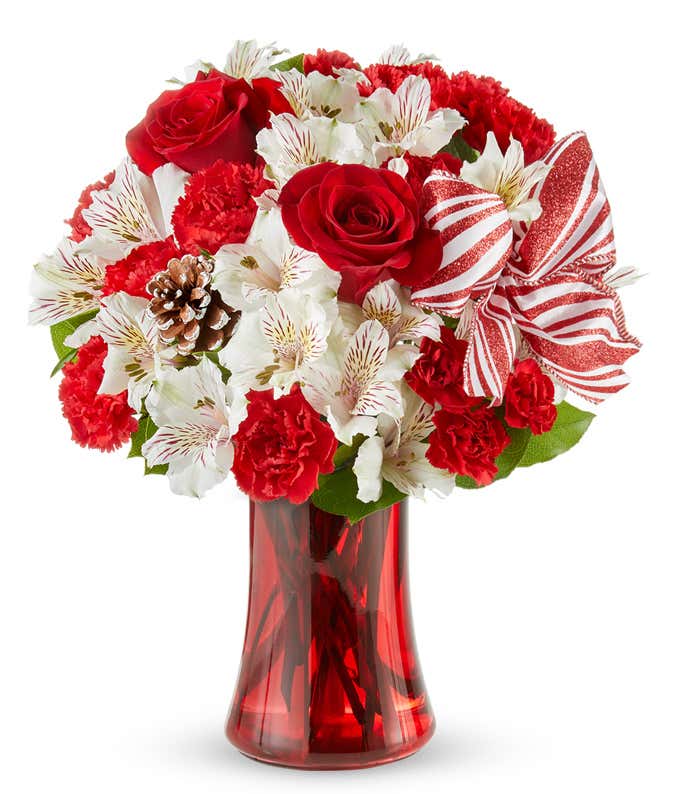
(344, 286)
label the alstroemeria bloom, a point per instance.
(355, 390)
(402, 121)
(397, 454)
(136, 355)
(390, 305)
(274, 346)
(292, 144)
(316, 94)
(248, 60)
(135, 209)
(191, 408)
(245, 274)
(66, 284)
(508, 177)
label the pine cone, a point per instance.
(186, 309)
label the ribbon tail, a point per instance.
(574, 326)
(491, 349)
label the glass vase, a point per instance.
(329, 676)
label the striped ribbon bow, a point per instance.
(548, 284)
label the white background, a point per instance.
(546, 606)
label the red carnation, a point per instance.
(384, 75)
(281, 447)
(214, 117)
(133, 273)
(363, 222)
(80, 229)
(437, 376)
(486, 106)
(98, 421)
(326, 61)
(483, 101)
(217, 206)
(529, 398)
(468, 443)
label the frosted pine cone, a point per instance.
(188, 311)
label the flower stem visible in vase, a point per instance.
(329, 676)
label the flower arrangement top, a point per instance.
(339, 283)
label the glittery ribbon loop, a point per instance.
(477, 237)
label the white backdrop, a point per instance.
(546, 606)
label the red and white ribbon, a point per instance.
(551, 289)
(477, 236)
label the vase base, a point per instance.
(329, 762)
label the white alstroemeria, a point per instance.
(133, 210)
(191, 408)
(274, 346)
(318, 94)
(507, 176)
(245, 274)
(249, 61)
(353, 393)
(389, 304)
(622, 276)
(66, 283)
(292, 144)
(399, 55)
(395, 123)
(398, 455)
(135, 356)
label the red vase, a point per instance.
(329, 676)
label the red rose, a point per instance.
(281, 447)
(98, 421)
(217, 206)
(437, 376)
(467, 443)
(529, 398)
(133, 273)
(215, 117)
(326, 61)
(363, 222)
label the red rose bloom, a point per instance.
(363, 222)
(217, 206)
(437, 376)
(281, 447)
(98, 421)
(326, 61)
(80, 228)
(215, 117)
(529, 398)
(133, 273)
(467, 443)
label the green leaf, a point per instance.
(458, 147)
(569, 427)
(143, 433)
(213, 356)
(69, 355)
(345, 453)
(65, 328)
(294, 62)
(337, 494)
(508, 460)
